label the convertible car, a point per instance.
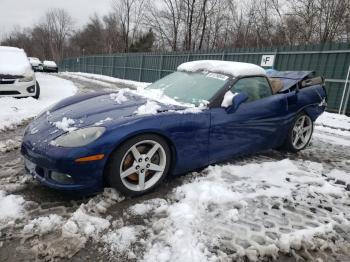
(204, 113)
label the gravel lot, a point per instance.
(114, 228)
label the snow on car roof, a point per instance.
(224, 67)
(34, 58)
(13, 61)
(49, 63)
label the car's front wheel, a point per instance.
(300, 133)
(139, 165)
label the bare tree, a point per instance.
(166, 21)
(59, 24)
(136, 25)
(130, 13)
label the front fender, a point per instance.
(187, 134)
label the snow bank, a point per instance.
(333, 128)
(87, 79)
(108, 79)
(14, 61)
(15, 111)
(334, 121)
(225, 67)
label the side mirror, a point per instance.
(232, 101)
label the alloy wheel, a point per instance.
(302, 131)
(143, 165)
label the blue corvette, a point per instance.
(204, 113)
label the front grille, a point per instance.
(7, 81)
(9, 93)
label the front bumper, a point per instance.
(14, 88)
(87, 178)
(38, 68)
(50, 69)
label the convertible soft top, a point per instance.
(290, 78)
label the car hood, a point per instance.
(101, 110)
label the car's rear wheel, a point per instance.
(300, 133)
(37, 90)
(139, 165)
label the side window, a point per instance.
(255, 87)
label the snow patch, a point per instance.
(146, 207)
(11, 207)
(101, 122)
(120, 96)
(150, 108)
(43, 225)
(227, 101)
(65, 124)
(9, 145)
(225, 67)
(120, 240)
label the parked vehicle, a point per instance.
(132, 142)
(50, 66)
(37, 65)
(17, 78)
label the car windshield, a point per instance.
(193, 88)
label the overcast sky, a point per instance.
(25, 13)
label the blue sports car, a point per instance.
(204, 113)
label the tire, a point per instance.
(144, 179)
(37, 90)
(300, 133)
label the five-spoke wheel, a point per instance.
(139, 164)
(300, 134)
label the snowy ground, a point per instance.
(15, 111)
(270, 205)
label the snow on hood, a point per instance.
(14, 61)
(224, 67)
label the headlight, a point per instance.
(27, 78)
(80, 137)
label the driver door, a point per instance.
(253, 127)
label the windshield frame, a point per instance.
(218, 94)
